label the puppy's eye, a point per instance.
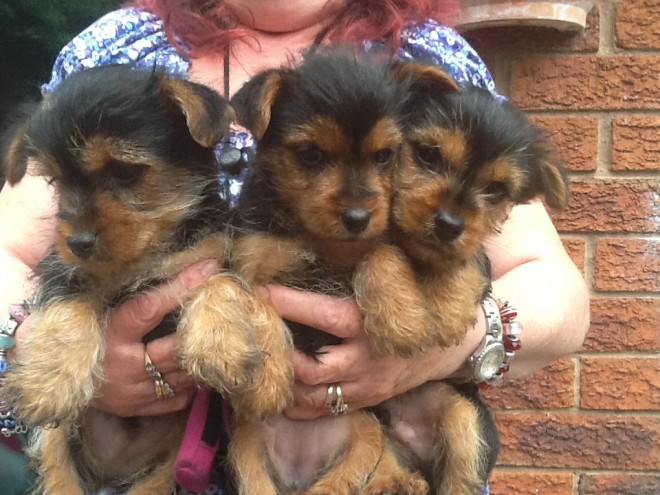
(384, 157)
(312, 157)
(427, 156)
(496, 191)
(123, 174)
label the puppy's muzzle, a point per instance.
(446, 226)
(356, 219)
(82, 244)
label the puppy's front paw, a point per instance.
(396, 317)
(408, 484)
(273, 389)
(41, 398)
(217, 335)
(55, 376)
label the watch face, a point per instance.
(491, 361)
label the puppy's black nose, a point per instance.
(82, 244)
(447, 226)
(356, 219)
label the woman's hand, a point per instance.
(128, 389)
(366, 378)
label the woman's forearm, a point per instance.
(553, 312)
(26, 216)
(532, 270)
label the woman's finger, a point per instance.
(163, 353)
(138, 316)
(338, 316)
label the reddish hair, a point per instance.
(209, 25)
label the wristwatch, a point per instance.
(487, 361)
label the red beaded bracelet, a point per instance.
(493, 357)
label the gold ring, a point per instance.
(162, 387)
(334, 401)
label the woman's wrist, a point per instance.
(499, 339)
(9, 425)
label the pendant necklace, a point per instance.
(232, 159)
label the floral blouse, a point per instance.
(138, 37)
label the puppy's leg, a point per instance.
(392, 478)
(273, 387)
(349, 473)
(248, 459)
(231, 342)
(460, 451)
(58, 368)
(160, 481)
(452, 300)
(58, 473)
(395, 314)
(217, 340)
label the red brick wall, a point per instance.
(590, 424)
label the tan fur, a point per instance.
(395, 320)
(391, 477)
(56, 371)
(458, 432)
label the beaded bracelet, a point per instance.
(9, 425)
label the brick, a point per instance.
(579, 441)
(638, 24)
(576, 249)
(548, 388)
(620, 383)
(635, 144)
(627, 265)
(607, 205)
(531, 482)
(624, 324)
(619, 484)
(576, 138)
(586, 82)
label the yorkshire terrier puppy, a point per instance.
(130, 154)
(468, 159)
(316, 202)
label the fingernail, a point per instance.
(209, 267)
(195, 274)
(262, 290)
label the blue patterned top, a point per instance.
(138, 37)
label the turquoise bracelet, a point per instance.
(9, 425)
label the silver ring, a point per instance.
(334, 401)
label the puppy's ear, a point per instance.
(208, 114)
(546, 176)
(254, 101)
(15, 155)
(424, 77)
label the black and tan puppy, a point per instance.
(130, 154)
(316, 202)
(468, 159)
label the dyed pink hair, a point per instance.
(206, 26)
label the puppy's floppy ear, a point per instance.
(15, 155)
(208, 114)
(254, 101)
(546, 175)
(425, 77)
